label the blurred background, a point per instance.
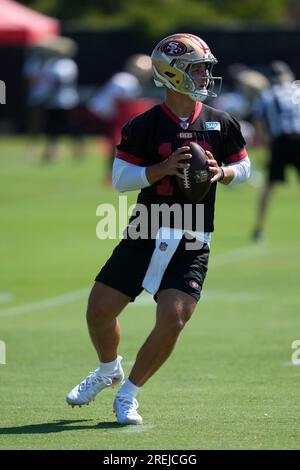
(75, 71)
(105, 34)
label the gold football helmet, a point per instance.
(173, 61)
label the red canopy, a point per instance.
(21, 25)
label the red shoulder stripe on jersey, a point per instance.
(129, 158)
(174, 117)
(236, 157)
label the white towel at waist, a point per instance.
(167, 241)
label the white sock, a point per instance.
(108, 368)
(128, 388)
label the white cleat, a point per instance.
(125, 409)
(87, 390)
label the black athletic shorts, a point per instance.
(126, 268)
(285, 151)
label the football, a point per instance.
(196, 182)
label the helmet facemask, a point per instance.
(203, 85)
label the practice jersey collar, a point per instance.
(192, 118)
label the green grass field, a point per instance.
(230, 383)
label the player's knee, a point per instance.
(95, 310)
(173, 322)
(177, 325)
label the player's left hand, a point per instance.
(213, 167)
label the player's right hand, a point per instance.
(174, 162)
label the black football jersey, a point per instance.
(152, 136)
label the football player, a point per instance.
(154, 150)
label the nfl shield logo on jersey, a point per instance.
(163, 246)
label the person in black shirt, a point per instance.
(153, 152)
